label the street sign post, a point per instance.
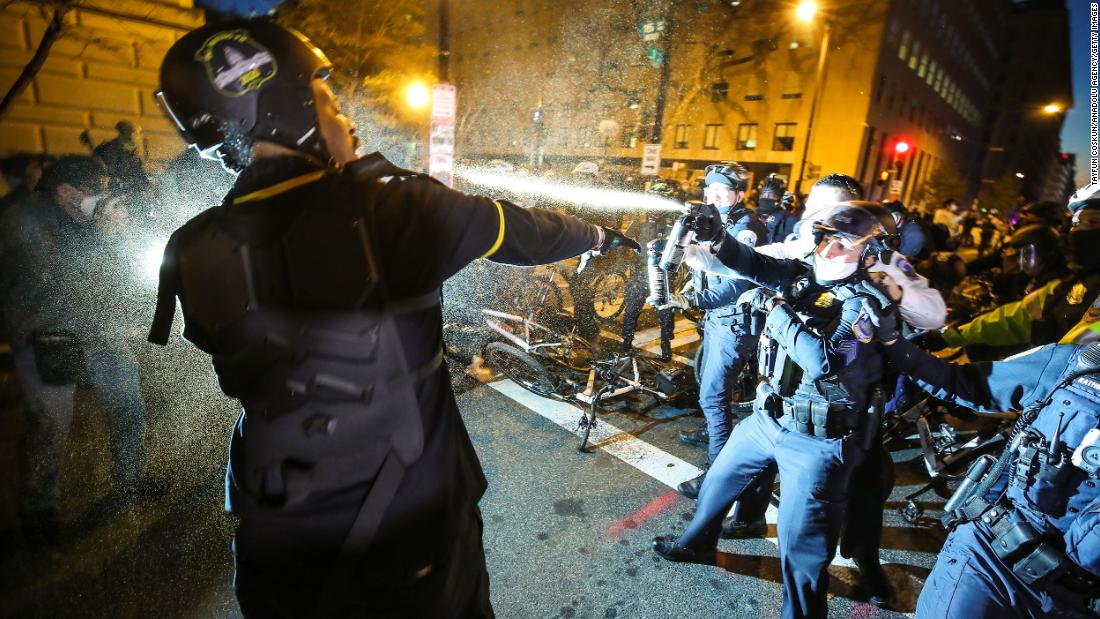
(651, 159)
(895, 187)
(441, 132)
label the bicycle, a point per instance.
(563, 366)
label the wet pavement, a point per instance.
(567, 533)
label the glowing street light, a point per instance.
(901, 147)
(1019, 175)
(1052, 108)
(806, 11)
(418, 96)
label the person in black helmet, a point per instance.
(771, 210)
(315, 289)
(819, 406)
(911, 242)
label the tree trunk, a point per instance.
(53, 30)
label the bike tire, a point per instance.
(609, 295)
(697, 368)
(523, 369)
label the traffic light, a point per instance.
(901, 148)
(883, 177)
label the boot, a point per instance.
(697, 438)
(672, 551)
(666, 351)
(735, 529)
(690, 488)
(874, 578)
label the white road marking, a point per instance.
(657, 463)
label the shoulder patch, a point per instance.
(825, 299)
(906, 268)
(1077, 293)
(748, 237)
(863, 328)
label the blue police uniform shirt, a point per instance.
(1068, 505)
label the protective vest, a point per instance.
(288, 299)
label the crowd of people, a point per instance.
(355, 484)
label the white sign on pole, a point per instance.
(895, 187)
(651, 159)
(441, 132)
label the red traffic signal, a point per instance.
(901, 147)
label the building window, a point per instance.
(755, 97)
(915, 56)
(931, 76)
(938, 84)
(791, 95)
(681, 139)
(923, 68)
(881, 89)
(746, 136)
(903, 49)
(710, 137)
(719, 91)
(784, 136)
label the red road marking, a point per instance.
(638, 518)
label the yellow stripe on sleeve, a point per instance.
(500, 232)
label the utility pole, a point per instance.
(444, 41)
(819, 84)
(662, 85)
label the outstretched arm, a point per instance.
(773, 273)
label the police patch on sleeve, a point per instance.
(748, 237)
(906, 268)
(863, 328)
(235, 63)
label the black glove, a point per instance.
(613, 238)
(931, 341)
(707, 223)
(676, 301)
(865, 287)
(758, 299)
(884, 320)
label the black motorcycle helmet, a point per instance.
(227, 84)
(890, 240)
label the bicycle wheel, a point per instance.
(524, 369)
(697, 369)
(609, 294)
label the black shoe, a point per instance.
(666, 352)
(874, 578)
(690, 488)
(671, 551)
(144, 489)
(733, 529)
(696, 438)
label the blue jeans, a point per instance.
(725, 350)
(968, 581)
(815, 472)
(114, 375)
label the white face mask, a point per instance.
(88, 204)
(832, 269)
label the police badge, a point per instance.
(235, 63)
(1076, 294)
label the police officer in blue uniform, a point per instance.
(1025, 530)
(315, 289)
(772, 209)
(727, 341)
(818, 409)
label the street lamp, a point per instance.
(418, 96)
(806, 11)
(1019, 175)
(1052, 109)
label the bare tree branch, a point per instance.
(52, 33)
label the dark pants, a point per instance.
(633, 305)
(725, 350)
(863, 529)
(970, 582)
(584, 301)
(283, 569)
(816, 474)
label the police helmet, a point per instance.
(227, 84)
(856, 222)
(896, 208)
(844, 183)
(727, 173)
(772, 187)
(1087, 197)
(890, 239)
